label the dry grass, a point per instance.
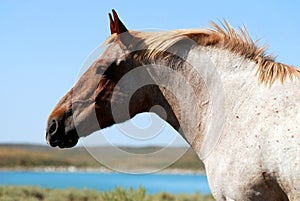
(28, 156)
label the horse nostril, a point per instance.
(53, 127)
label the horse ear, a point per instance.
(111, 24)
(116, 25)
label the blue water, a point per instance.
(153, 183)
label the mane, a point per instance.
(224, 37)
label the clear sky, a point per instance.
(44, 43)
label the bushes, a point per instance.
(29, 193)
(125, 195)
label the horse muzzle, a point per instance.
(58, 135)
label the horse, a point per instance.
(232, 102)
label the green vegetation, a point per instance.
(28, 193)
(33, 156)
(30, 156)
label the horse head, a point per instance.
(91, 96)
(87, 107)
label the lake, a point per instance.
(154, 183)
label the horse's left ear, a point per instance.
(116, 25)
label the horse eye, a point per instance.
(100, 69)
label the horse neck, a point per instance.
(197, 94)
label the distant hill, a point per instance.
(31, 156)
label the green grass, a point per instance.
(29, 193)
(29, 156)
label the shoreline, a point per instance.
(73, 169)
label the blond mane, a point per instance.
(225, 37)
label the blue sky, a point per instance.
(44, 43)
